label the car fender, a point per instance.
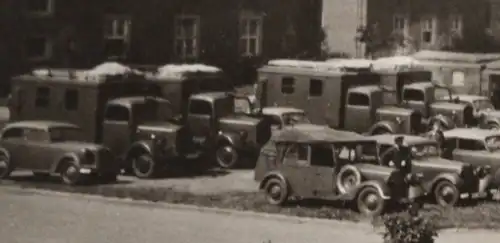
(446, 121)
(56, 166)
(232, 138)
(388, 125)
(452, 177)
(270, 175)
(380, 186)
(146, 145)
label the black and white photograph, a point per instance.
(249, 121)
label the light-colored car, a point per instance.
(478, 147)
(48, 147)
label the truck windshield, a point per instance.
(153, 111)
(224, 107)
(424, 151)
(63, 134)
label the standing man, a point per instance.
(398, 156)
(436, 133)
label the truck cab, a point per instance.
(421, 96)
(214, 126)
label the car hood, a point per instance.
(240, 119)
(75, 145)
(438, 163)
(371, 171)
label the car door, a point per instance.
(13, 141)
(38, 153)
(322, 170)
(297, 169)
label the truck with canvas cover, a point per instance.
(354, 101)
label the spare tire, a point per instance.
(347, 178)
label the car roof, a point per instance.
(280, 110)
(309, 133)
(408, 139)
(40, 124)
(472, 133)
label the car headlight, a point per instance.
(89, 157)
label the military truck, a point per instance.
(127, 114)
(342, 99)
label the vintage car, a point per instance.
(478, 147)
(48, 147)
(484, 112)
(446, 181)
(281, 117)
(302, 161)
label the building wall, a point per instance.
(76, 31)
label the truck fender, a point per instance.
(146, 146)
(380, 186)
(445, 121)
(270, 175)
(228, 137)
(59, 163)
(389, 126)
(452, 177)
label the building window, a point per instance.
(40, 7)
(116, 35)
(428, 26)
(38, 47)
(42, 97)
(250, 34)
(186, 36)
(456, 24)
(71, 99)
(287, 85)
(315, 88)
(401, 24)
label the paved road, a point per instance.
(31, 217)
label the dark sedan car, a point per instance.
(48, 147)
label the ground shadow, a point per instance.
(54, 180)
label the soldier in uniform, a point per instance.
(398, 156)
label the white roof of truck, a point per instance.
(396, 63)
(178, 70)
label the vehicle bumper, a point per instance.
(475, 195)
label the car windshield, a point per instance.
(62, 134)
(295, 118)
(493, 143)
(424, 151)
(483, 105)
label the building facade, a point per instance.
(402, 26)
(233, 34)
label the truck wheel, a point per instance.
(369, 201)
(70, 173)
(144, 166)
(227, 156)
(276, 191)
(5, 165)
(446, 194)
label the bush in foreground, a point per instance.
(409, 227)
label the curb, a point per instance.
(366, 227)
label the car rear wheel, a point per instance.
(227, 156)
(144, 166)
(276, 191)
(370, 202)
(446, 194)
(70, 173)
(5, 165)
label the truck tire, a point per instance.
(144, 166)
(347, 178)
(227, 156)
(5, 165)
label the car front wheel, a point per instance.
(446, 194)
(370, 202)
(70, 174)
(227, 156)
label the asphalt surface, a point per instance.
(32, 217)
